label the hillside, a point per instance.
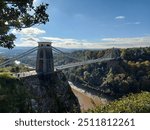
(133, 103)
(128, 74)
(113, 79)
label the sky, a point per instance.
(91, 24)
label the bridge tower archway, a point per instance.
(44, 62)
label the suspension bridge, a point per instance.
(45, 61)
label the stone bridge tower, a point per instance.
(44, 62)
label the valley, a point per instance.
(98, 84)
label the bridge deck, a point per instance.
(62, 67)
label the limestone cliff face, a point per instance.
(51, 93)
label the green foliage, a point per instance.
(120, 85)
(14, 69)
(134, 103)
(19, 68)
(130, 74)
(133, 78)
(6, 75)
(19, 14)
(136, 54)
(13, 95)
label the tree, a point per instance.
(18, 14)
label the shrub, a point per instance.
(134, 103)
(13, 95)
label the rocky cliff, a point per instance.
(50, 93)
(38, 93)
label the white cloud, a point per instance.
(29, 31)
(107, 39)
(104, 43)
(75, 43)
(56, 39)
(120, 17)
(28, 41)
(128, 42)
(134, 39)
(64, 42)
(30, 38)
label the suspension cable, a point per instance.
(57, 50)
(18, 56)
